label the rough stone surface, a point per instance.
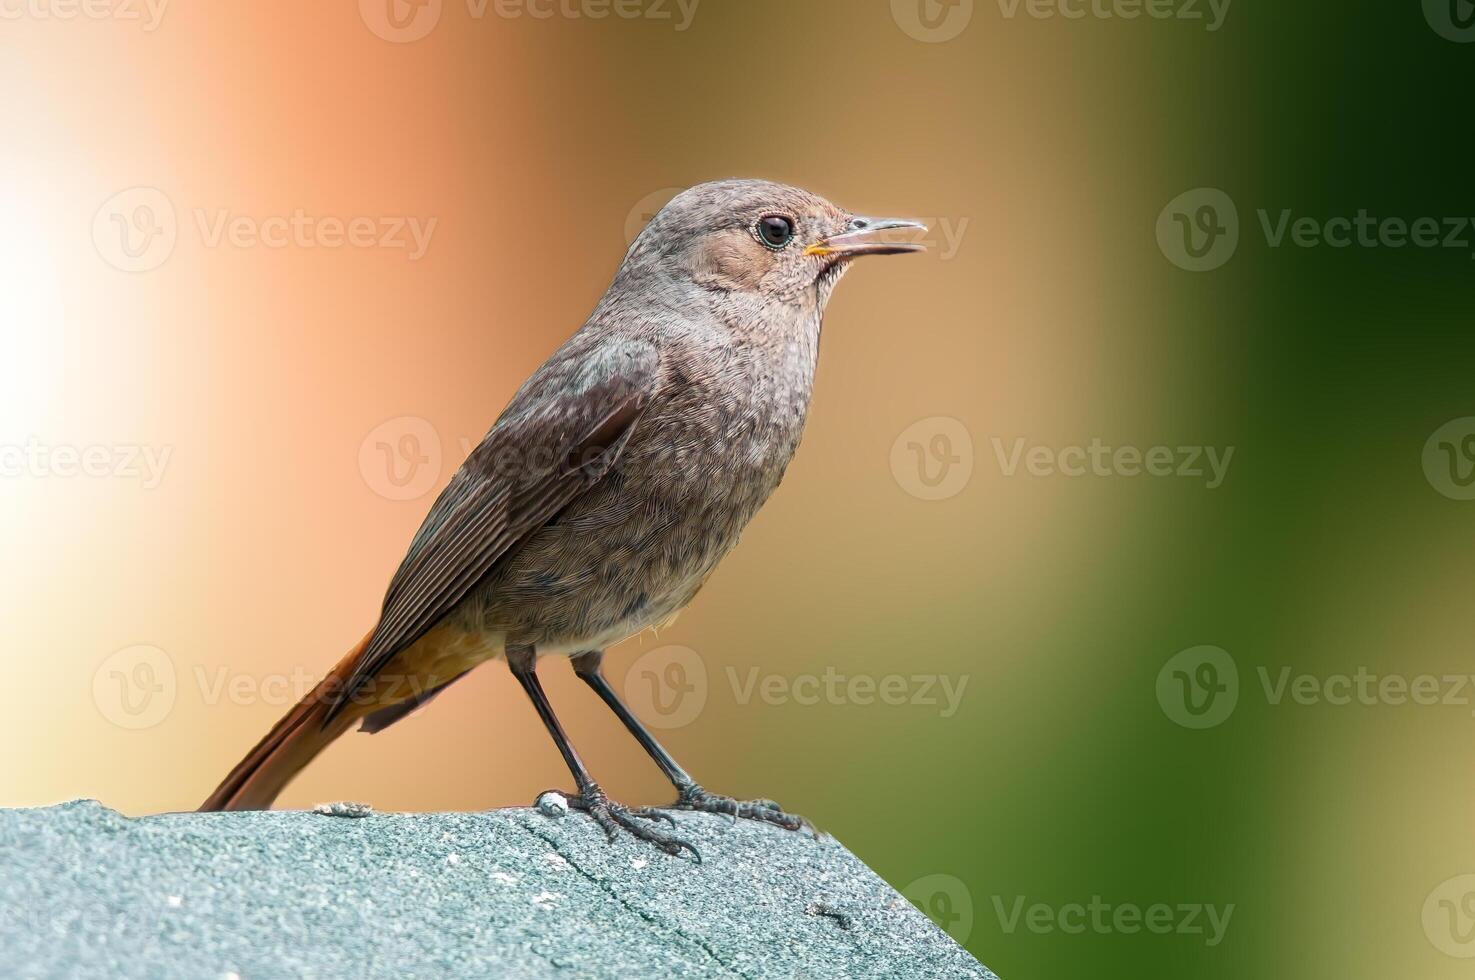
(87, 892)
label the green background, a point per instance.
(1047, 148)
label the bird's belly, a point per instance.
(614, 564)
(634, 549)
(444, 653)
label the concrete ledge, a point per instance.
(86, 892)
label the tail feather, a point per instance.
(291, 744)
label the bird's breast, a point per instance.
(635, 548)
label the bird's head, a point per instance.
(763, 241)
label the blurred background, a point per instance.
(1101, 708)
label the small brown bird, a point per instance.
(618, 477)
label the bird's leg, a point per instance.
(591, 799)
(689, 795)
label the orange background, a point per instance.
(1049, 146)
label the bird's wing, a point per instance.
(560, 435)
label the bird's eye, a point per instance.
(775, 230)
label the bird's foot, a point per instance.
(614, 817)
(695, 798)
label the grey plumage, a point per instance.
(726, 375)
(623, 470)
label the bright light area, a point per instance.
(30, 312)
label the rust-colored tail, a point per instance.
(291, 744)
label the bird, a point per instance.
(616, 479)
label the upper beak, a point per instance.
(863, 236)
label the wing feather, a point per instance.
(560, 436)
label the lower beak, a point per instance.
(865, 236)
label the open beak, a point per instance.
(866, 236)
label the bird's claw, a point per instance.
(765, 811)
(614, 817)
